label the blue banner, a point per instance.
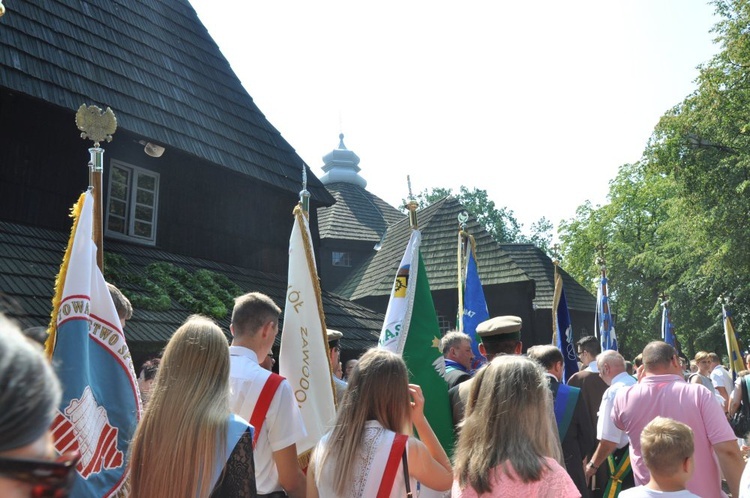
(667, 329)
(100, 406)
(475, 308)
(564, 331)
(605, 325)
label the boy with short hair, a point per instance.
(667, 448)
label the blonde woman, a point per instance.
(508, 445)
(379, 405)
(188, 444)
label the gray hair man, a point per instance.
(612, 440)
(456, 348)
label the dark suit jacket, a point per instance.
(592, 389)
(579, 441)
(455, 376)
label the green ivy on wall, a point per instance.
(203, 291)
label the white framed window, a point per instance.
(339, 258)
(133, 203)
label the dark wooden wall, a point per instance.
(204, 210)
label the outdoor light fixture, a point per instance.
(152, 149)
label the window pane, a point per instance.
(116, 224)
(145, 197)
(118, 191)
(340, 258)
(147, 182)
(117, 208)
(144, 213)
(120, 175)
(142, 229)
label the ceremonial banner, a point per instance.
(736, 363)
(475, 308)
(667, 329)
(411, 330)
(101, 404)
(303, 358)
(604, 323)
(563, 330)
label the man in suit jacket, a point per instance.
(577, 434)
(592, 389)
(456, 348)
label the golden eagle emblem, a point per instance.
(95, 124)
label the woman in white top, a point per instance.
(379, 404)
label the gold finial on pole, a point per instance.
(556, 255)
(2, 9)
(462, 217)
(411, 206)
(98, 126)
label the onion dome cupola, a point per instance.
(342, 165)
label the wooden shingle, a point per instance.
(154, 63)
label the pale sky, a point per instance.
(538, 102)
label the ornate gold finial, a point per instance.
(95, 124)
(555, 249)
(2, 9)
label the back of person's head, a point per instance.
(452, 339)
(638, 360)
(547, 355)
(149, 368)
(378, 389)
(629, 367)
(497, 345)
(30, 392)
(714, 358)
(187, 414)
(507, 421)
(665, 445)
(612, 358)
(252, 311)
(590, 344)
(657, 356)
(122, 304)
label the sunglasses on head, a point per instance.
(48, 478)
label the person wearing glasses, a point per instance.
(29, 398)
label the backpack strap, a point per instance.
(264, 403)
(391, 466)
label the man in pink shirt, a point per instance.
(664, 392)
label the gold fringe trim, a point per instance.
(75, 213)
(298, 214)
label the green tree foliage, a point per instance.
(678, 220)
(501, 223)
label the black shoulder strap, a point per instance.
(406, 474)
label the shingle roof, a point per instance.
(357, 214)
(439, 226)
(30, 259)
(540, 267)
(154, 63)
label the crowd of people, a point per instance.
(218, 422)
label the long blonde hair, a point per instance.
(378, 390)
(508, 421)
(174, 450)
